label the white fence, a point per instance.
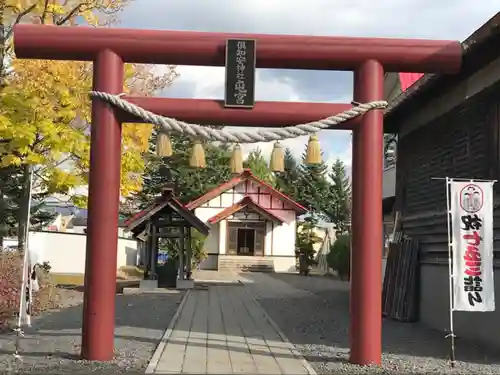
(65, 252)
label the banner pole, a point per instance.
(22, 306)
(451, 335)
(25, 299)
(28, 249)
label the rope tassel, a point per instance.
(313, 154)
(236, 162)
(277, 158)
(163, 145)
(197, 159)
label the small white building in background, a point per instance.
(249, 221)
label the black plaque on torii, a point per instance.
(240, 73)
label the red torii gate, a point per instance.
(109, 49)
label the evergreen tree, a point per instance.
(189, 183)
(314, 188)
(338, 210)
(288, 181)
(256, 162)
(10, 205)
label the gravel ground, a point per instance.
(318, 325)
(53, 342)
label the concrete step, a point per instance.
(246, 263)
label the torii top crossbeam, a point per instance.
(208, 49)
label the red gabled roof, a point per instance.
(245, 175)
(245, 202)
(142, 213)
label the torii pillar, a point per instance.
(109, 49)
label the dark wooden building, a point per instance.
(449, 126)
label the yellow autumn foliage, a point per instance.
(45, 107)
(62, 12)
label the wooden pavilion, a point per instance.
(166, 218)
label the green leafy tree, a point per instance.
(259, 167)
(339, 257)
(171, 247)
(338, 209)
(305, 240)
(44, 109)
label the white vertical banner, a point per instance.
(471, 206)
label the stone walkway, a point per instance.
(221, 329)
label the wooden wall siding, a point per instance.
(462, 143)
(259, 194)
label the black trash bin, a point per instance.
(303, 264)
(167, 274)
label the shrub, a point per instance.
(10, 282)
(46, 267)
(11, 265)
(46, 297)
(305, 240)
(198, 247)
(339, 257)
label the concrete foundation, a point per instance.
(184, 284)
(148, 285)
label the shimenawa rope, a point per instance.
(170, 125)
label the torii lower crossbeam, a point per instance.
(110, 48)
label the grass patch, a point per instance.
(66, 279)
(125, 273)
(76, 281)
(129, 273)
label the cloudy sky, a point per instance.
(431, 19)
